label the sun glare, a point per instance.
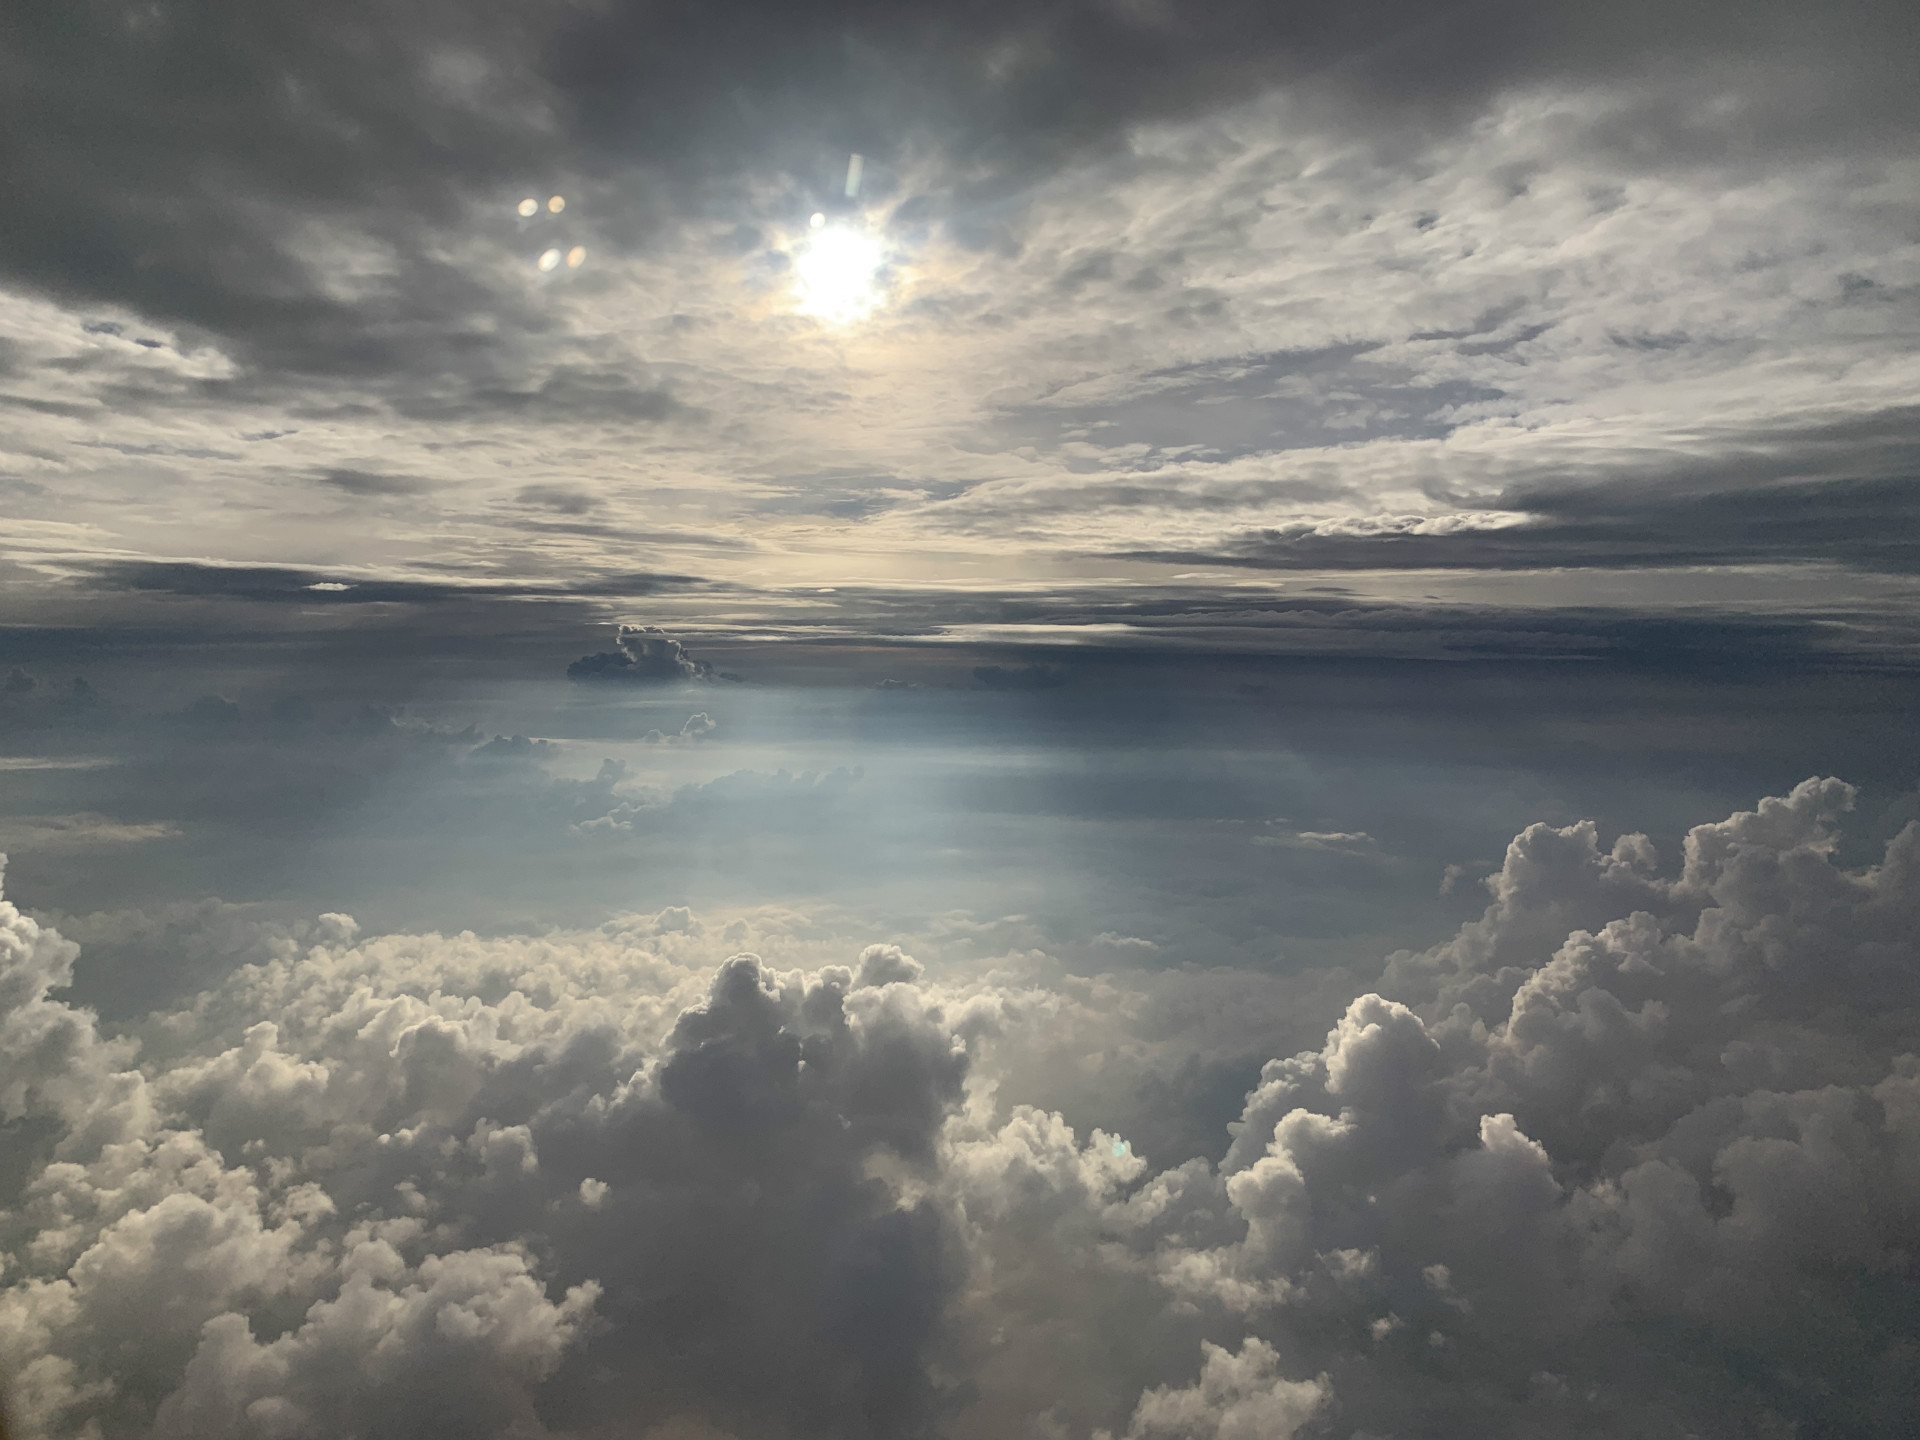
(834, 274)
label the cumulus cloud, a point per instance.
(698, 726)
(887, 965)
(513, 748)
(1238, 1397)
(377, 1211)
(1635, 1148)
(1617, 1105)
(645, 655)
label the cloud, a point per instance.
(887, 965)
(1632, 1146)
(1238, 1397)
(1016, 90)
(1858, 523)
(1486, 335)
(84, 830)
(646, 655)
(368, 483)
(406, 1264)
(1270, 292)
(699, 726)
(1333, 842)
(1559, 1115)
(513, 749)
(281, 583)
(562, 499)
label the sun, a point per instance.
(834, 274)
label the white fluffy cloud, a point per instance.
(1634, 1150)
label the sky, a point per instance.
(1088, 720)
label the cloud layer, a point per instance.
(1637, 1147)
(1265, 454)
(1221, 287)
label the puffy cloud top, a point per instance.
(1634, 1149)
(644, 655)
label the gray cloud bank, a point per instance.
(1863, 524)
(1637, 1149)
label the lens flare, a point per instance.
(557, 204)
(834, 274)
(549, 260)
(529, 208)
(576, 257)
